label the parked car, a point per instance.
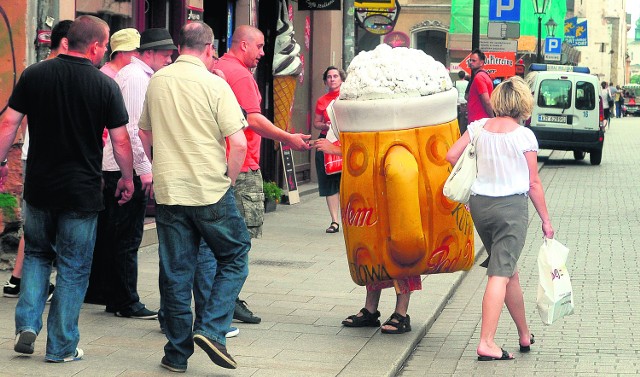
(631, 100)
(567, 111)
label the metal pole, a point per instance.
(539, 57)
(475, 31)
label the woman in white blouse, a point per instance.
(507, 174)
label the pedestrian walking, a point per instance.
(478, 92)
(62, 183)
(507, 175)
(193, 181)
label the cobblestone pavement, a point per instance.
(594, 210)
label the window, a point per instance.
(555, 94)
(585, 96)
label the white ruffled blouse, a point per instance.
(502, 166)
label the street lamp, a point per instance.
(539, 9)
(551, 26)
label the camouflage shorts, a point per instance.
(250, 201)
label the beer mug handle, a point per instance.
(407, 241)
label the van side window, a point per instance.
(585, 96)
(555, 94)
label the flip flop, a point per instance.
(528, 348)
(505, 356)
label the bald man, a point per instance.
(247, 48)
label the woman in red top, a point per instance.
(328, 185)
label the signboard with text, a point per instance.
(576, 33)
(319, 4)
(497, 64)
(290, 174)
(499, 45)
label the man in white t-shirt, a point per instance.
(461, 87)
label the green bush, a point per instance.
(8, 204)
(272, 191)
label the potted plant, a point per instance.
(272, 195)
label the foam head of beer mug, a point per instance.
(397, 118)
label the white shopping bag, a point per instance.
(555, 295)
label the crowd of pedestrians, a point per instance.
(139, 121)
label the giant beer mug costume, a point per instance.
(396, 221)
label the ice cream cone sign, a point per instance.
(287, 66)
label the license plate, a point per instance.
(552, 118)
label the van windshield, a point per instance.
(555, 94)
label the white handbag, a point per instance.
(555, 294)
(458, 186)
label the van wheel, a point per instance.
(595, 157)
(578, 155)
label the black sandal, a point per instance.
(401, 324)
(333, 228)
(528, 348)
(367, 319)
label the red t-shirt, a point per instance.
(481, 84)
(244, 86)
(323, 103)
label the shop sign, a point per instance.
(397, 39)
(497, 64)
(375, 4)
(44, 37)
(319, 4)
(378, 21)
(194, 14)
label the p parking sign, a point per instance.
(504, 10)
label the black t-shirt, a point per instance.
(68, 103)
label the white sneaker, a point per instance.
(78, 356)
(233, 332)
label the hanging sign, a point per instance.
(397, 39)
(378, 21)
(319, 4)
(497, 64)
(375, 4)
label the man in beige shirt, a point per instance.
(187, 115)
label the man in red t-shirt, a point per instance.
(479, 90)
(246, 50)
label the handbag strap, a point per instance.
(477, 135)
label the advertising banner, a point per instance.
(497, 64)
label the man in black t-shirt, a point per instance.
(68, 102)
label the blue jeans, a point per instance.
(114, 272)
(202, 287)
(68, 236)
(180, 229)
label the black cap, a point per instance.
(156, 39)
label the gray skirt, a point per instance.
(501, 223)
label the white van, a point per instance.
(567, 110)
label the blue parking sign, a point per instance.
(504, 10)
(552, 45)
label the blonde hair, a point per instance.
(512, 98)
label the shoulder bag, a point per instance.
(458, 186)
